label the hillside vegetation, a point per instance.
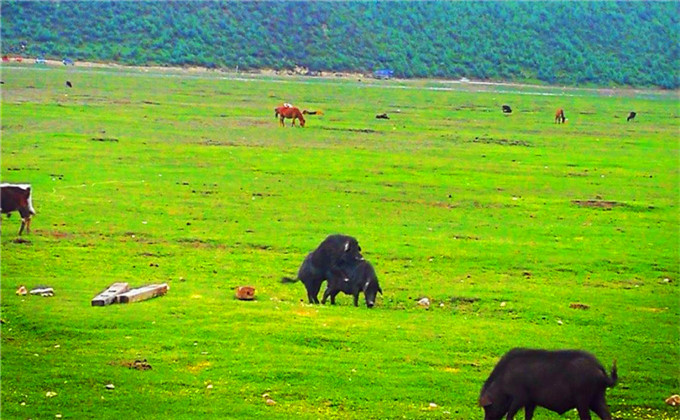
(593, 43)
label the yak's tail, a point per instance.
(288, 280)
(614, 378)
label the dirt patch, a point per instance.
(105, 139)
(58, 234)
(598, 204)
(137, 365)
(462, 299)
(351, 130)
(211, 142)
(502, 142)
(21, 241)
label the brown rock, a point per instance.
(245, 293)
(673, 400)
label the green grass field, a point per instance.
(502, 221)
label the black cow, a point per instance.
(69, 84)
(356, 279)
(557, 380)
(17, 197)
(382, 116)
(328, 260)
(507, 109)
(631, 116)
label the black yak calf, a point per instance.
(507, 109)
(328, 260)
(557, 380)
(631, 116)
(356, 279)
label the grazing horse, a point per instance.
(631, 116)
(289, 112)
(559, 116)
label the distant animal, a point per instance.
(292, 112)
(507, 109)
(17, 197)
(382, 116)
(306, 112)
(559, 116)
(68, 83)
(335, 254)
(557, 380)
(357, 278)
(631, 116)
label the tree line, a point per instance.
(566, 43)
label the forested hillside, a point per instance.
(596, 43)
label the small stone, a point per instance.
(50, 394)
(424, 302)
(269, 401)
(559, 322)
(673, 400)
(503, 304)
(210, 386)
(245, 293)
(433, 405)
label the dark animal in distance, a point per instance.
(557, 380)
(631, 116)
(68, 83)
(17, 197)
(292, 112)
(559, 116)
(357, 278)
(335, 254)
(507, 109)
(382, 116)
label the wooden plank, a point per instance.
(108, 296)
(143, 293)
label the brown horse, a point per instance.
(289, 112)
(559, 116)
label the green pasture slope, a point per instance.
(502, 221)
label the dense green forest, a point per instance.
(592, 43)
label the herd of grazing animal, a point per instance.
(558, 380)
(523, 378)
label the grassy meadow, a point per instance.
(502, 221)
